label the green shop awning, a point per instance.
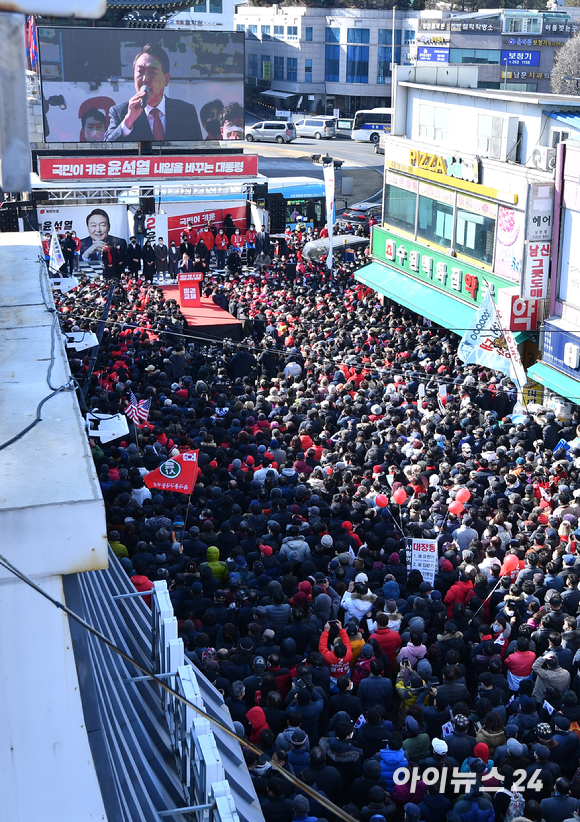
(560, 383)
(430, 303)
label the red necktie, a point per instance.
(158, 133)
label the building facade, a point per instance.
(320, 60)
(323, 60)
(469, 201)
(206, 14)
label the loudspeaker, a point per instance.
(260, 191)
(147, 204)
(276, 205)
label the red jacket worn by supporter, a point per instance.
(221, 242)
(250, 238)
(338, 665)
(457, 593)
(238, 240)
(390, 642)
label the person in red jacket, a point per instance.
(457, 593)
(238, 240)
(251, 244)
(221, 244)
(390, 641)
(142, 582)
(338, 659)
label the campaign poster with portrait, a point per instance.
(94, 225)
(141, 85)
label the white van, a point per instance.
(317, 127)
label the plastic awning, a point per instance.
(561, 384)
(567, 118)
(426, 301)
(280, 95)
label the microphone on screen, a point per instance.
(147, 91)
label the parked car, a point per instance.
(359, 214)
(316, 248)
(271, 131)
(317, 127)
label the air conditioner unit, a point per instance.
(497, 137)
(544, 158)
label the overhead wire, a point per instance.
(303, 787)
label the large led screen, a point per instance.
(137, 85)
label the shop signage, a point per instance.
(533, 392)
(447, 274)
(433, 25)
(432, 54)
(162, 168)
(476, 26)
(562, 350)
(520, 42)
(558, 27)
(536, 271)
(449, 166)
(516, 57)
(518, 314)
(540, 212)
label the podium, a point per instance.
(190, 289)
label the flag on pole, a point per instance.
(56, 260)
(32, 44)
(175, 474)
(486, 343)
(137, 411)
(329, 183)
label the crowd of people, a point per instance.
(394, 696)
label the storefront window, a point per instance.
(474, 236)
(435, 222)
(400, 208)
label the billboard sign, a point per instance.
(141, 85)
(152, 168)
(509, 243)
(93, 226)
(561, 349)
(516, 57)
(432, 54)
(180, 215)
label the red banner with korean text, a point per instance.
(190, 289)
(151, 168)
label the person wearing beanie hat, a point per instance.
(412, 812)
(301, 808)
(416, 745)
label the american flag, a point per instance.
(138, 410)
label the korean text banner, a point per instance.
(156, 168)
(137, 85)
(93, 226)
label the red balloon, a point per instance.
(381, 500)
(400, 496)
(463, 495)
(456, 507)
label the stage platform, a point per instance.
(209, 319)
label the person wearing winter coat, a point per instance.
(357, 601)
(457, 593)
(257, 719)
(219, 569)
(294, 548)
(413, 651)
(389, 640)
(391, 758)
(338, 659)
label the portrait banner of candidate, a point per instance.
(93, 225)
(141, 85)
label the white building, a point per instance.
(469, 201)
(207, 14)
(334, 58)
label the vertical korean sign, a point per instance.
(538, 241)
(329, 184)
(424, 558)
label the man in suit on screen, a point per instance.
(150, 114)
